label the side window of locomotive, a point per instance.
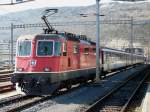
(86, 51)
(75, 49)
(57, 49)
(94, 51)
(24, 48)
(45, 48)
(64, 50)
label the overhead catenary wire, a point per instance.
(15, 26)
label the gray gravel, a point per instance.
(82, 97)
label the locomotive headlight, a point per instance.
(33, 62)
(46, 69)
(19, 69)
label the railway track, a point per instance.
(21, 102)
(118, 99)
(5, 85)
(6, 88)
(6, 71)
(5, 77)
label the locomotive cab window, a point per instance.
(57, 49)
(24, 48)
(45, 48)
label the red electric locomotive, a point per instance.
(47, 62)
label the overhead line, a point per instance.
(75, 23)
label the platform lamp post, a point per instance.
(97, 41)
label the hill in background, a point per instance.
(112, 35)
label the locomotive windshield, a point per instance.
(24, 48)
(45, 48)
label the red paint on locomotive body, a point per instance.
(75, 56)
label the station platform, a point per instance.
(146, 101)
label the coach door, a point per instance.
(76, 56)
(73, 60)
(67, 58)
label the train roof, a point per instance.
(34, 36)
(88, 42)
(118, 51)
(68, 36)
(26, 37)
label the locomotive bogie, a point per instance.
(37, 82)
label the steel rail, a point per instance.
(12, 99)
(5, 77)
(18, 99)
(32, 103)
(6, 88)
(8, 71)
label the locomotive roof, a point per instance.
(26, 37)
(79, 38)
(34, 36)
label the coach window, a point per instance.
(86, 50)
(75, 49)
(64, 50)
(57, 48)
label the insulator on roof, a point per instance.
(82, 37)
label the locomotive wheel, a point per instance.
(83, 81)
(69, 85)
(93, 80)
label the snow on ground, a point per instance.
(82, 97)
(146, 101)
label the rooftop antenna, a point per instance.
(47, 13)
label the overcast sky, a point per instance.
(44, 3)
